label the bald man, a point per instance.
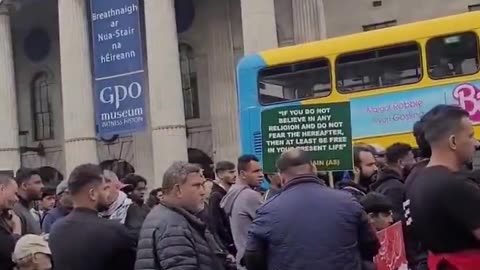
(308, 225)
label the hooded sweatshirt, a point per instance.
(240, 204)
(390, 184)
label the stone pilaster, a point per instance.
(165, 87)
(78, 110)
(308, 20)
(223, 93)
(259, 25)
(9, 146)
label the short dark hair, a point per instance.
(222, 166)
(48, 173)
(376, 203)
(83, 175)
(155, 192)
(5, 179)
(397, 151)
(357, 149)
(244, 161)
(24, 174)
(419, 131)
(49, 191)
(177, 174)
(424, 149)
(134, 179)
(443, 123)
(293, 158)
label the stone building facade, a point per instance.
(192, 48)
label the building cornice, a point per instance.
(9, 6)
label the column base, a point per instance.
(80, 151)
(9, 159)
(169, 144)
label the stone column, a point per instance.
(167, 117)
(78, 109)
(9, 147)
(223, 93)
(259, 25)
(308, 20)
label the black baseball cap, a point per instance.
(375, 202)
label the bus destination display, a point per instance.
(324, 130)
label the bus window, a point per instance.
(378, 68)
(294, 81)
(451, 56)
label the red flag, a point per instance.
(391, 255)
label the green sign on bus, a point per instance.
(324, 130)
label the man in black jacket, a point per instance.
(172, 237)
(82, 240)
(365, 171)
(30, 188)
(10, 225)
(218, 220)
(390, 181)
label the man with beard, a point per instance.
(365, 171)
(444, 205)
(390, 181)
(219, 223)
(121, 208)
(10, 225)
(30, 187)
(83, 240)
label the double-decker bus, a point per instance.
(389, 78)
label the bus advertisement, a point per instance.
(369, 87)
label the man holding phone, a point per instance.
(10, 225)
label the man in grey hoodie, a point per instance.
(242, 201)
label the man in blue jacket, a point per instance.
(308, 225)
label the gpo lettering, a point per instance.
(118, 93)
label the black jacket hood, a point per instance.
(387, 174)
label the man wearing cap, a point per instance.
(379, 210)
(119, 202)
(122, 209)
(63, 207)
(32, 253)
(308, 225)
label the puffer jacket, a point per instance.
(171, 238)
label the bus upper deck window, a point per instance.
(378, 68)
(451, 56)
(294, 81)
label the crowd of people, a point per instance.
(98, 219)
